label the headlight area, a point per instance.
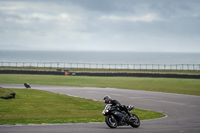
(105, 111)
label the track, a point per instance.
(182, 111)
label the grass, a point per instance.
(36, 106)
(169, 85)
(4, 93)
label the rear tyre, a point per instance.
(134, 121)
(111, 121)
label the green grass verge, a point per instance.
(170, 85)
(36, 106)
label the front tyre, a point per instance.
(134, 121)
(111, 121)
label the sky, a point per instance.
(100, 25)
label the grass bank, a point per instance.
(169, 85)
(36, 106)
(4, 92)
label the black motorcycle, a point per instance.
(27, 85)
(115, 117)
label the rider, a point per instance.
(108, 100)
(27, 85)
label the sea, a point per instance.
(91, 59)
(100, 57)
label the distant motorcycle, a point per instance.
(115, 117)
(27, 85)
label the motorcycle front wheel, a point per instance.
(111, 121)
(134, 121)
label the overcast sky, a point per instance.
(100, 25)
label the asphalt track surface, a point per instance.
(182, 111)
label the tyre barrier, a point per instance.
(154, 75)
(31, 72)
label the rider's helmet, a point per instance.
(106, 98)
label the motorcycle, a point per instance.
(27, 85)
(115, 117)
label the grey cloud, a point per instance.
(126, 25)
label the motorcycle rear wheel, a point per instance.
(111, 121)
(135, 122)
